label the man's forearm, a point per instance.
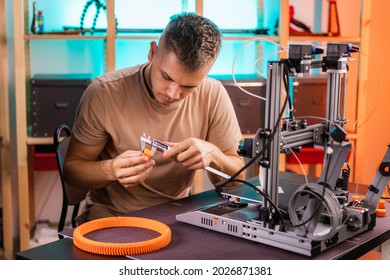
(228, 164)
(87, 174)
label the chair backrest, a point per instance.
(72, 194)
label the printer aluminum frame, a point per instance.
(325, 217)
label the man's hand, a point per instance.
(131, 168)
(193, 153)
(196, 154)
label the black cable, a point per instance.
(85, 9)
(249, 163)
(321, 199)
(345, 173)
(99, 5)
(286, 79)
(265, 196)
(233, 178)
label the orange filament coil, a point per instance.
(121, 249)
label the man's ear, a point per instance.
(152, 50)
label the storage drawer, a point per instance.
(44, 158)
(54, 100)
(45, 161)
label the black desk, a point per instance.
(194, 243)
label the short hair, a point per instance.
(195, 40)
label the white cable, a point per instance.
(235, 58)
(261, 58)
(299, 162)
(352, 144)
(296, 157)
(316, 117)
(377, 98)
(354, 156)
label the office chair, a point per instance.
(70, 195)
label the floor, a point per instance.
(44, 233)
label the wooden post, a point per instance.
(5, 177)
(111, 36)
(21, 125)
(199, 7)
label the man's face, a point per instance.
(169, 81)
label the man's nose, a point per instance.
(173, 91)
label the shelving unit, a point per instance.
(22, 76)
(5, 178)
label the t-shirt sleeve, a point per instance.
(224, 130)
(88, 126)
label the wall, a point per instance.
(374, 125)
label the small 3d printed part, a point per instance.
(148, 153)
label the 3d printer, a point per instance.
(277, 208)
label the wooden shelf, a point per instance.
(138, 37)
(63, 37)
(245, 37)
(229, 37)
(31, 141)
(325, 39)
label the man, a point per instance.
(170, 99)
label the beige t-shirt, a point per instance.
(116, 109)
